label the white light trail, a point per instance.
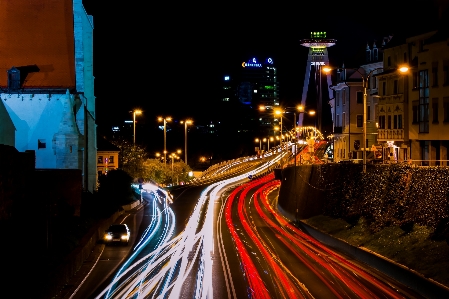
(164, 271)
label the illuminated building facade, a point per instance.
(258, 84)
(47, 101)
(413, 109)
(347, 107)
(315, 92)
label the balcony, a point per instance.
(390, 134)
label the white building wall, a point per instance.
(37, 118)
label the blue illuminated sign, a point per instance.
(254, 63)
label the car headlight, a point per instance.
(107, 237)
(124, 237)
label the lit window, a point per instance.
(226, 78)
(255, 90)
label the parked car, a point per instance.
(117, 233)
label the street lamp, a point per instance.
(173, 156)
(365, 78)
(187, 122)
(135, 112)
(165, 119)
(279, 112)
(260, 142)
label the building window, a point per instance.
(384, 87)
(100, 160)
(405, 57)
(368, 112)
(415, 80)
(389, 61)
(423, 101)
(446, 109)
(343, 96)
(395, 121)
(111, 159)
(359, 97)
(359, 121)
(395, 87)
(446, 73)
(389, 122)
(382, 122)
(434, 74)
(400, 121)
(337, 121)
(421, 46)
(415, 112)
(13, 79)
(41, 143)
(343, 120)
(435, 110)
(374, 82)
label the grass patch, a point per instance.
(414, 250)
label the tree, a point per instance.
(131, 157)
(115, 188)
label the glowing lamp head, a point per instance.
(312, 112)
(403, 69)
(327, 69)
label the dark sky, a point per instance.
(168, 58)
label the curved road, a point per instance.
(222, 238)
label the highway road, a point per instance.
(222, 237)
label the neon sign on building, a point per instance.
(254, 63)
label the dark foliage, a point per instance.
(387, 195)
(115, 189)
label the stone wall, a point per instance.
(396, 194)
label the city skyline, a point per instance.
(175, 66)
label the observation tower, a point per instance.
(315, 91)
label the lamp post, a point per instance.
(365, 78)
(260, 142)
(280, 112)
(187, 122)
(135, 112)
(165, 120)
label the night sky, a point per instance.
(170, 58)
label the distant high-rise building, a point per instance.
(258, 83)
